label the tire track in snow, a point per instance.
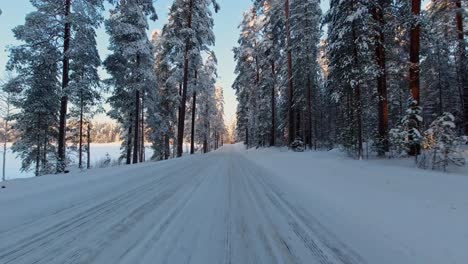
(159, 229)
(79, 223)
(324, 246)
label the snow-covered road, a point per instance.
(218, 208)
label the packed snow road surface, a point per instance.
(219, 208)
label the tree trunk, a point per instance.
(291, 115)
(273, 107)
(88, 150)
(415, 39)
(167, 147)
(80, 147)
(44, 153)
(64, 100)
(192, 134)
(137, 127)
(358, 100)
(142, 137)
(38, 159)
(4, 153)
(194, 108)
(462, 76)
(181, 123)
(247, 136)
(5, 138)
(309, 113)
(378, 13)
(414, 71)
(205, 145)
(129, 143)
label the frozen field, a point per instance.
(98, 152)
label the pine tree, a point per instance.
(414, 69)
(246, 82)
(61, 162)
(379, 10)
(164, 102)
(197, 35)
(6, 100)
(206, 105)
(130, 67)
(36, 88)
(306, 16)
(352, 66)
(84, 85)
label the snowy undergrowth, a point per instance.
(378, 206)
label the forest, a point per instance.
(374, 78)
(242, 131)
(377, 78)
(161, 89)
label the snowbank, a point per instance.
(378, 207)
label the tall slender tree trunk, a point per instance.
(129, 142)
(378, 13)
(38, 159)
(273, 107)
(181, 123)
(44, 153)
(137, 127)
(80, 147)
(247, 136)
(309, 113)
(257, 141)
(142, 137)
(291, 115)
(5, 141)
(167, 147)
(192, 134)
(462, 76)
(415, 44)
(5, 138)
(357, 98)
(64, 100)
(414, 71)
(194, 109)
(88, 149)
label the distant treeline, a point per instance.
(101, 132)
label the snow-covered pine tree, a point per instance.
(414, 60)
(219, 128)
(206, 103)
(6, 112)
(440, 69)
(270, 59)
(246, 82)
(37, 87)
(131, 68)
(164, 102)
(305, 28)
(351, 67)
(195, 31)
(379, 10)
(397, 20)
(84, 85)
(461, 21)
(406, 135)
(441, 144)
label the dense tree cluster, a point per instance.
(380, 66)
(57, 90)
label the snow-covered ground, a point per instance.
(237, 206)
